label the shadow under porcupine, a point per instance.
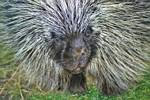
(58, 42)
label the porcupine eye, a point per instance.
(88, 32)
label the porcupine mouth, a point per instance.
(78, 70)
(75, 69)
(72, 67)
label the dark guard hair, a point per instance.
(58, 41)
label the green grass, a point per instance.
(16, 88)
(139, 92)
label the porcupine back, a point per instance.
(122, 28)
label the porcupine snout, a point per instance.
(75, 56)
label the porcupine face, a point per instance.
(74, 53)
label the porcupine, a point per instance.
(58, 42)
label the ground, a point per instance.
(12, 86)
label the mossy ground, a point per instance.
(14, 89)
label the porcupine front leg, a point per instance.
(77, 83)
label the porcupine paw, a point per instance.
(77, 83)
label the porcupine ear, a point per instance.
(29, 37)
(124, 31)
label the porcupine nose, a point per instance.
(78, 51)
(77, 55)
(80, 57)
